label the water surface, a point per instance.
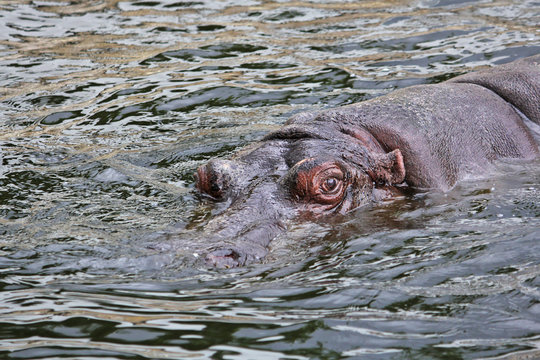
(107, 108)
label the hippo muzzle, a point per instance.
(242, 233)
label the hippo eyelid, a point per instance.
(303, 161)
(293, 132)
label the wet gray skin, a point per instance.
(293, 172)
(319, 164)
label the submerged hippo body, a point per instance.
(421, 137)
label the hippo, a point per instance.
(423, 137)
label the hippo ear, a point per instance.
(389, 168)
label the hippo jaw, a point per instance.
(290, 174)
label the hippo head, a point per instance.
(301, 170)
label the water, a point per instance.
(107, 109)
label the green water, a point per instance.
(107, 108)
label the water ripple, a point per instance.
(109, 107)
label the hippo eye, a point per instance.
(319, 183)
(330, 185)
(327, 185)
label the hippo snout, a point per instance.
(248, 244)
(257, 206)
(225, 258)
(235, 256)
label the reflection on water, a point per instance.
(108, 107)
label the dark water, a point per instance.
(108, 107)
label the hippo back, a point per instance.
(518, 83)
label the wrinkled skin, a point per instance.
(333, 161)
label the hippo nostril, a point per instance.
(211, 180)
(215, 188)
(224, 258)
